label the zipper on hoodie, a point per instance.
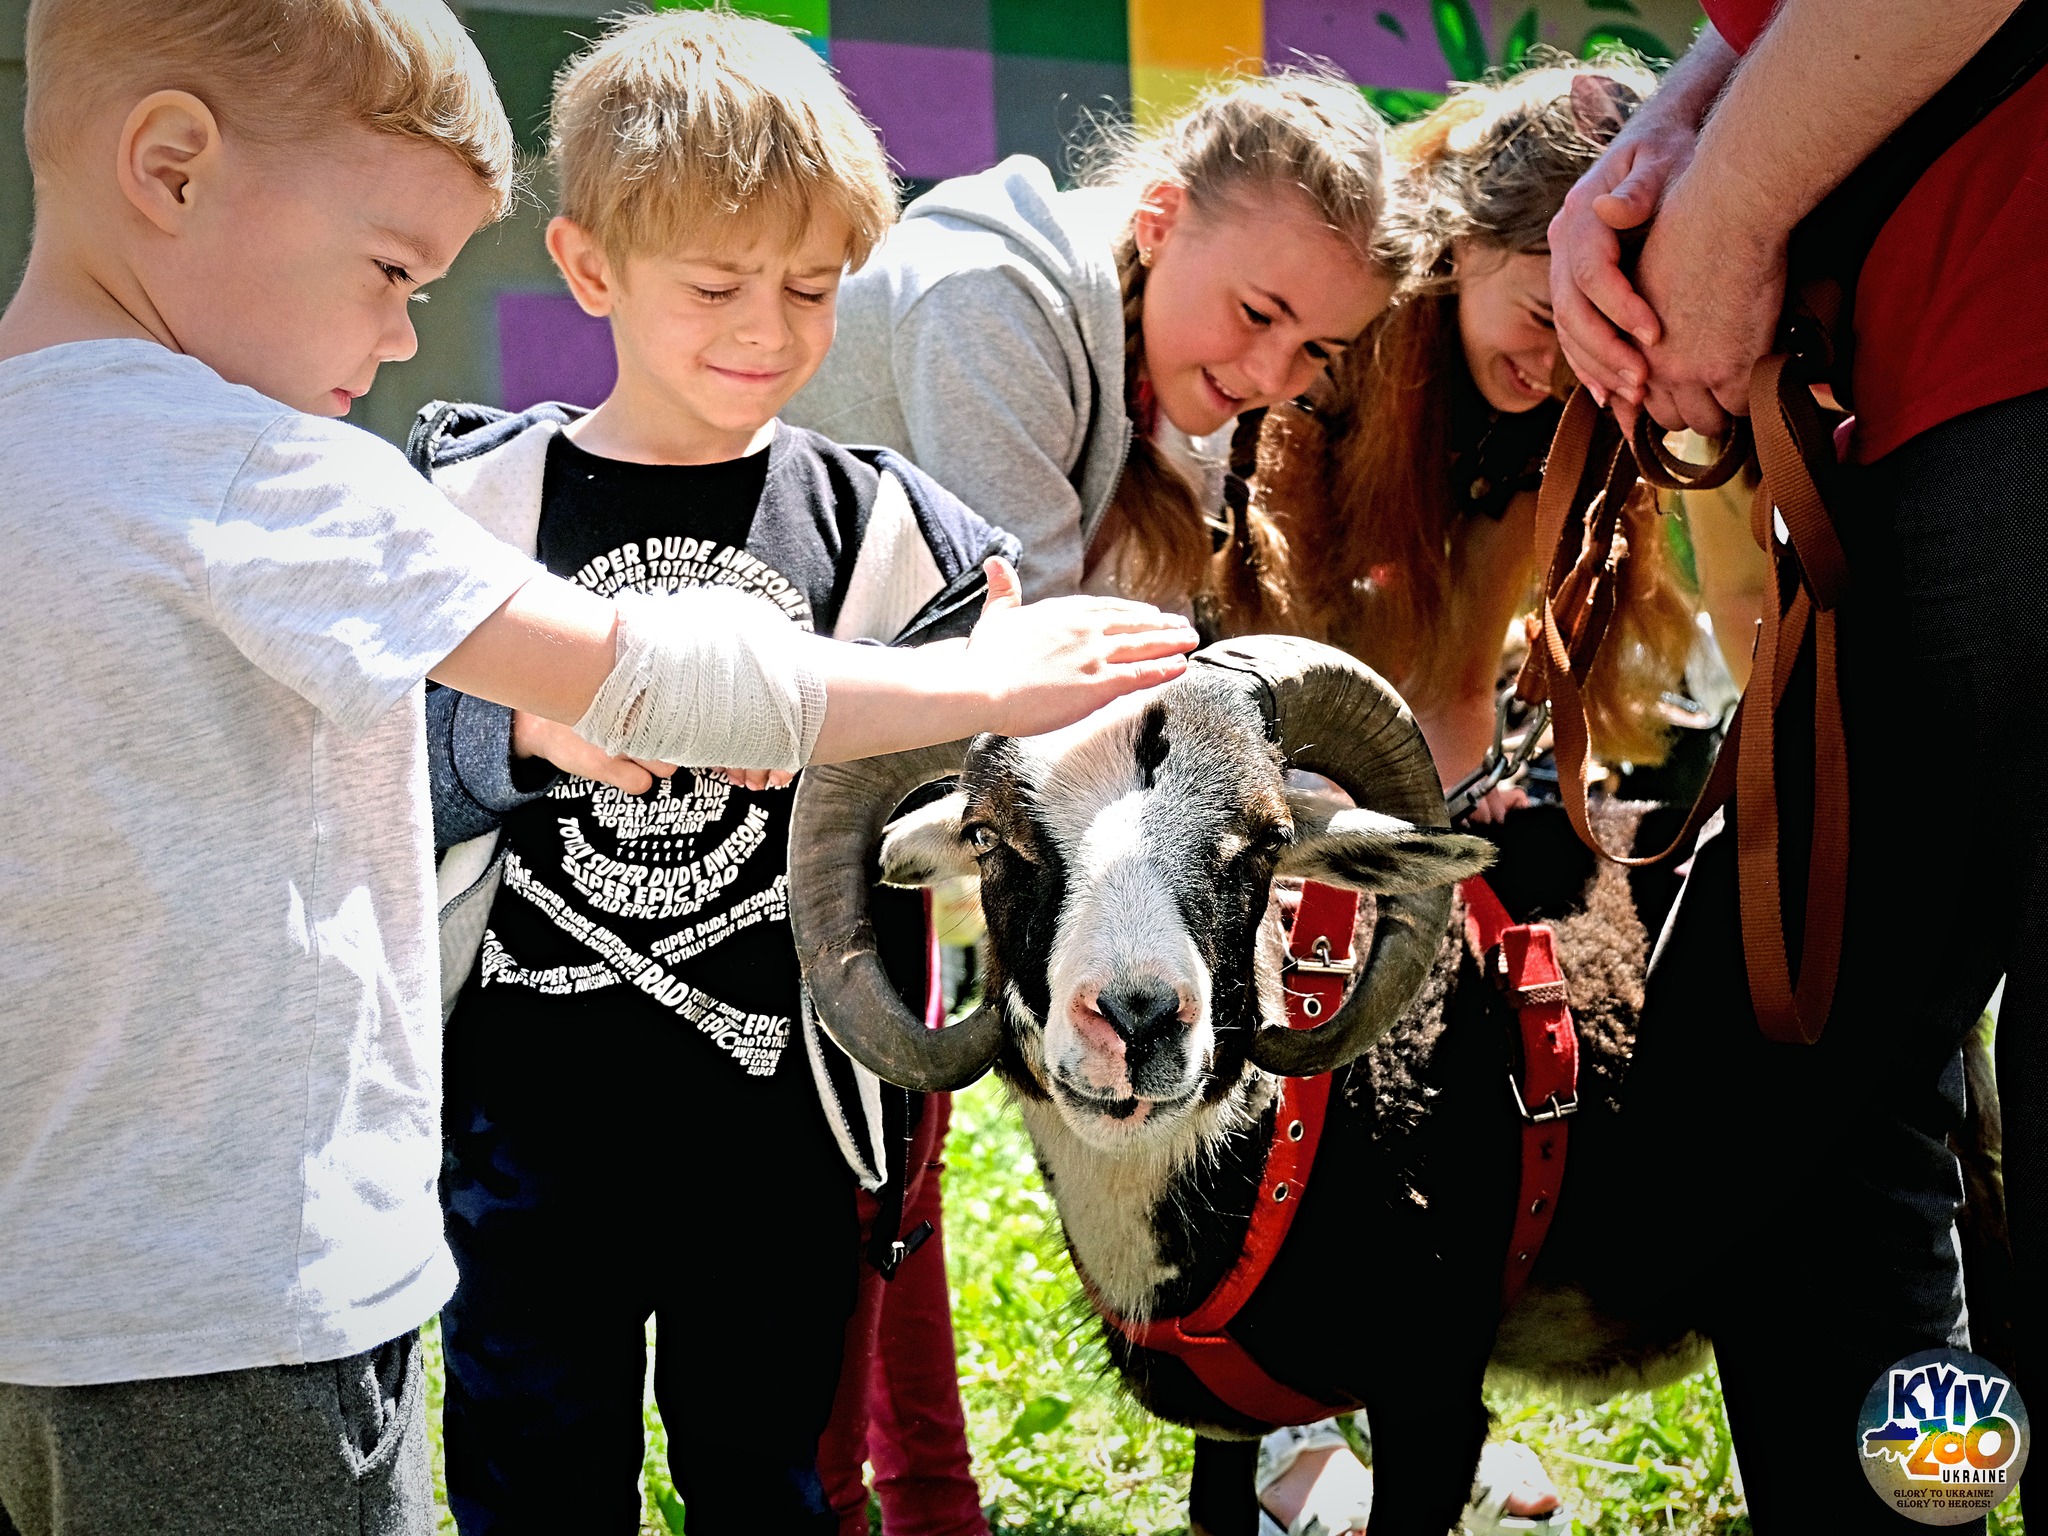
(1123, 461)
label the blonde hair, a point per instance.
(683, 119)
(1307, 133)
(1355, 519)
(273, 71)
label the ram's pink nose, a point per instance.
(1103, 1064)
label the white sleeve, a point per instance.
(340, 572)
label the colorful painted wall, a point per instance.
(953, 85)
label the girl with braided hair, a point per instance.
(1394, 517)
(1069, 363)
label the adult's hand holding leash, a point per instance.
(1604, 325)
(1823, 86)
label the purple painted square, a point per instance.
(548, 349)
(936, 107)
(1350, 35)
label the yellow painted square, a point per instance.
(1196, 34)
(1157, 94)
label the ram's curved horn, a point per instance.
(1335, 716)
(834, 830)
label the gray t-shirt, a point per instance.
(220, 1055)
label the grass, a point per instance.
(1059, 1451)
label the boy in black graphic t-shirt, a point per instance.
(634, 1124)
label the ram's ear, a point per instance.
(1365, 851)
(924, 846)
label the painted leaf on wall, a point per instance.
(1520, 40)
(1401, 106)
(1458, 34)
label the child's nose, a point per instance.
(764, 325)
(1269, 367)
(399, 341)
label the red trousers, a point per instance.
(898, 1407)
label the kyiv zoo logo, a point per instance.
(1944, 1437)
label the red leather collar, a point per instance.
(1319, 951)
(1521, 958)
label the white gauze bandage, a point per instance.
(708, 678)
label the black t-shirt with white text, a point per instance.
(673, 902)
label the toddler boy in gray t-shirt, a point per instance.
(219, 1063)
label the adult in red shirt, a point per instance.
(1840, 1257)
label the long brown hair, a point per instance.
(1304, 132)
(1355, 535)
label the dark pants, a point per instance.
(1824, 1196)
(338, 1448)
(610, 1166)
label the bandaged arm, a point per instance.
(694, 681)
(708, 678)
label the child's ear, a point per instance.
(169, 149)
(1159, 210)
(583, 265)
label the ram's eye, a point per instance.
(982, 839)
(1268, 841)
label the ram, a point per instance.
(1274, 1221)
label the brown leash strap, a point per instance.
(1668, 472)
(1793, 452)
(1590, 474)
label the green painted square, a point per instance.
(1062, 29)
(812, 16)
(524, 52)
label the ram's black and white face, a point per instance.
(1126, 865)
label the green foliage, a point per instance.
(1392, 23)
(1679, 532)
(437, 1393)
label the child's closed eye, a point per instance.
(808, 296)
(713, 295)
(394, 274)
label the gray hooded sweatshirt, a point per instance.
(984, 341)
